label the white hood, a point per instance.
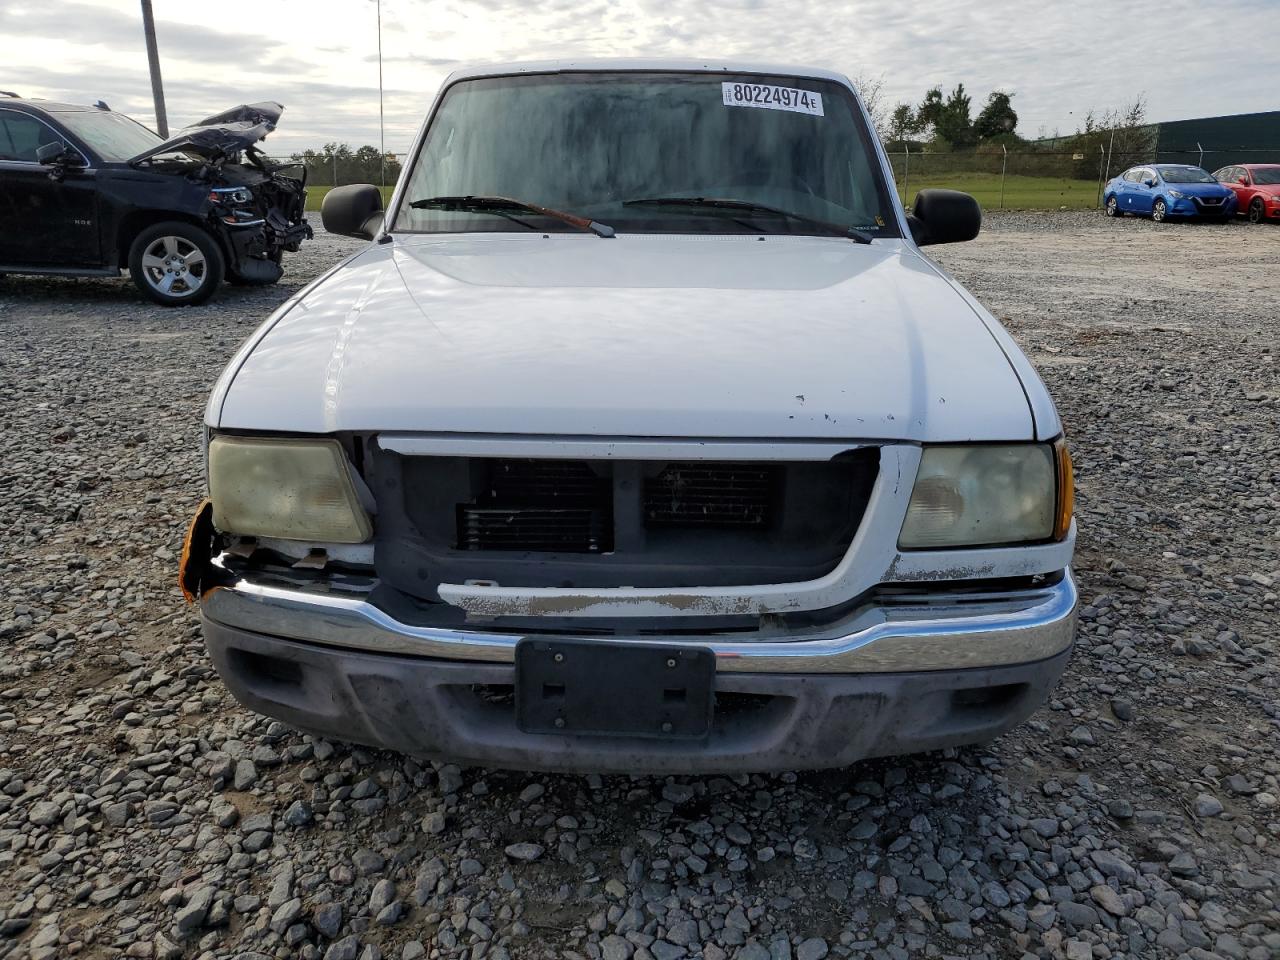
(636, 336)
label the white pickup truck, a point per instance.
(641, 437)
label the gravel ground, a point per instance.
(144, 814)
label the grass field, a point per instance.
(316, 194)
(1020, 193)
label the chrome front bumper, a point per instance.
(957, 633)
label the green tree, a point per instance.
(337, 163)
(997, 117)
(929, 112)
(953, 123)
(902, 123)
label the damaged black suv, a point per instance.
(85, 191)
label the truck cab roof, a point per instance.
(640, 64)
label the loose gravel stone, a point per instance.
(144, 813)
(526, 852)
(327, 919)
(345, 949)
(1207, 805)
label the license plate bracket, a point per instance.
(595, 688)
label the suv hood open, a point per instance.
(222, 134)
(636, 336)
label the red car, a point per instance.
(1257, 187)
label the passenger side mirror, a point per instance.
(944, 216)
(353, 211)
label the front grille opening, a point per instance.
(712, 495)
(556, 506)
(599, 522)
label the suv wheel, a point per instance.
(176, 264)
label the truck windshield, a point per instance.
(588, 143)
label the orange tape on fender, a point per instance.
(197, 549)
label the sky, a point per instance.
(320, 57)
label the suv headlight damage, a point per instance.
(287, 489)
(969, 496)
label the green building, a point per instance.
(1213, 142)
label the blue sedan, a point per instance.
(1164, 190)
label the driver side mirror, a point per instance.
(1149, 181)
(944, 216)
(353, 211)
(60, 156)
(1243, 181)
(51, 152)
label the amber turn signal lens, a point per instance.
(1066, 490)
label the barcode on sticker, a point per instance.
(768, 97)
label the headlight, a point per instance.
(1276, 199)
(967, 496)
(290, 489)
(1177, 193)
(230, 195)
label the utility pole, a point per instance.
(382, 133)
(153, 58)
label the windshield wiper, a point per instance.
(860, 236)
(502, 206)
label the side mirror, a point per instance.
(944, 216)
(58, 154)
(61, 157)
(1149, 182)
(353, 211)
(1243, 181)
(49, 153)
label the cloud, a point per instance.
(92, 25)
(320, 60)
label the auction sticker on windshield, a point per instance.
(769, 97)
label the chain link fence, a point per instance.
(335, 170)
(1044, 179)
(1020, 179)
(326, 171)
